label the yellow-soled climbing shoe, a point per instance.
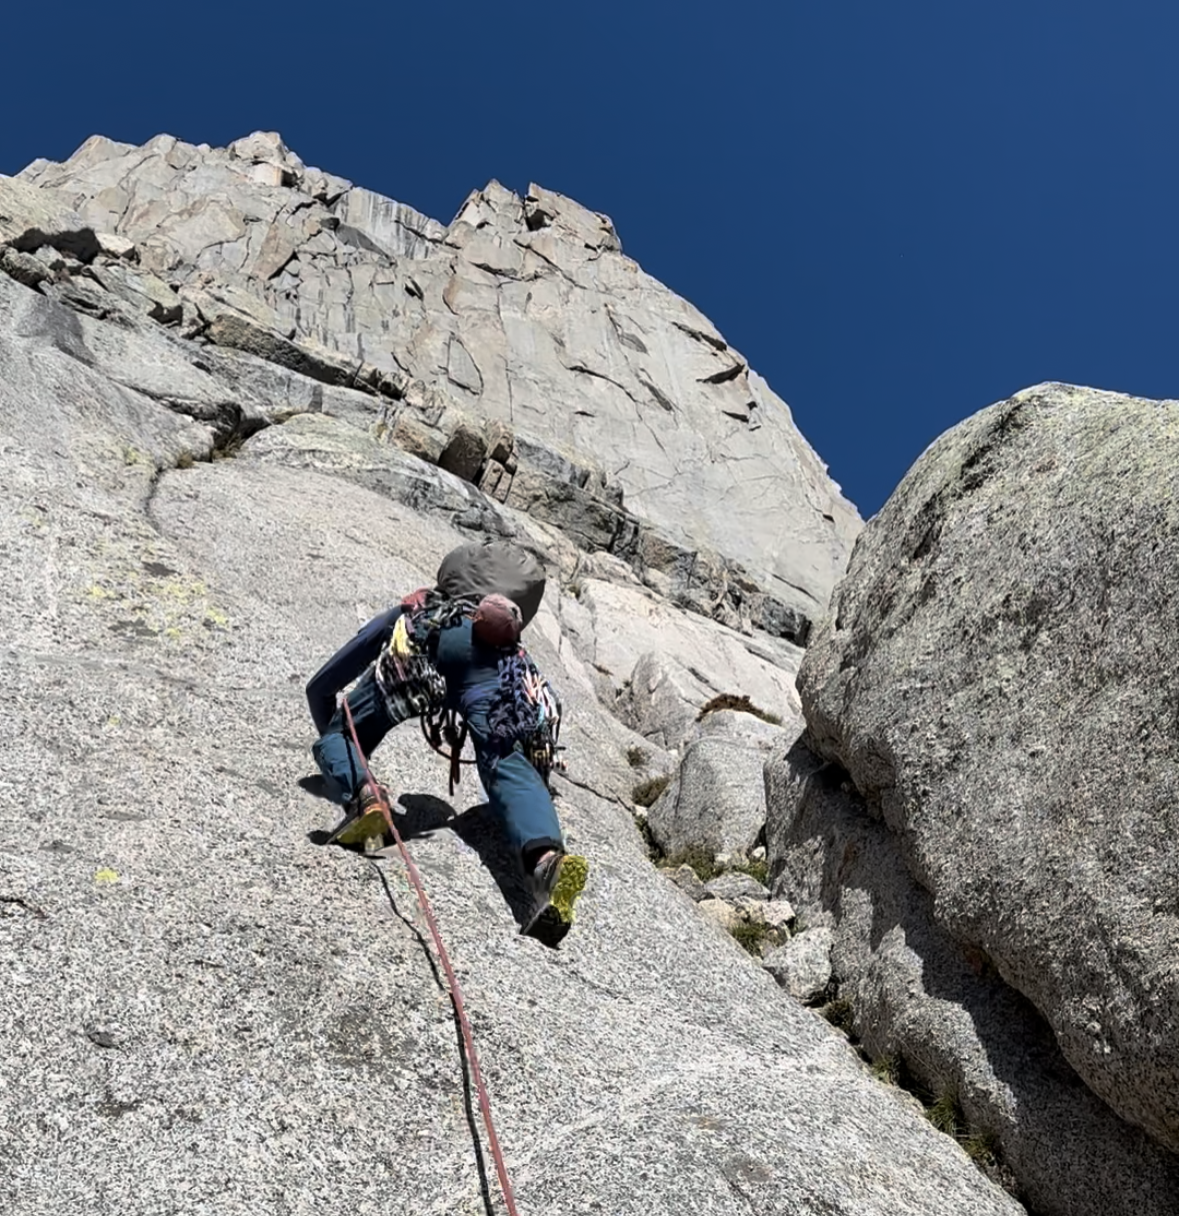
(364, 823)
(557, 882)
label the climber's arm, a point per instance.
(346, 665)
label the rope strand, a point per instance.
(456, 995)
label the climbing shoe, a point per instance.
(364, 820)
(557, 881)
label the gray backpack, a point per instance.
(494, 567)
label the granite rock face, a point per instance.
(716, 800)
(32, 218)
(521, 310)
(661, 666)
(993, 688)
(211, 1012)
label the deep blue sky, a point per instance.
(898, 212)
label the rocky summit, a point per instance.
(625, 418)
(244, 405)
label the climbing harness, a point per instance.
(447, 726)
(456, 994)
(525, 710)
(411, 680)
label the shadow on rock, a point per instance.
(944, 1010)
(479, 829)
(319, 786)
(420, 815)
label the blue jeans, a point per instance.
(334, 751)
(518, 797)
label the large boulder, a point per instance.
(716, 799)
(997, 679)
(662, 699)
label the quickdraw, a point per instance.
(526, 712)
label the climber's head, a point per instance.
(497, 622)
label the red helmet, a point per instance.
(498, 622)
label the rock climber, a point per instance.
(455, 652)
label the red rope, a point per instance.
(456, 993)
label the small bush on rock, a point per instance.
(751, 935)
(887, 1069)
(946, 1115)
(654, 852)
(699, 858)
(945, 1112)
(230, 446)
(729, 700)
(645, 793)
(839, 1013)
(982, 1148)
(757, 869)
(637, 756)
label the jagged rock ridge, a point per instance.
(522, 311)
